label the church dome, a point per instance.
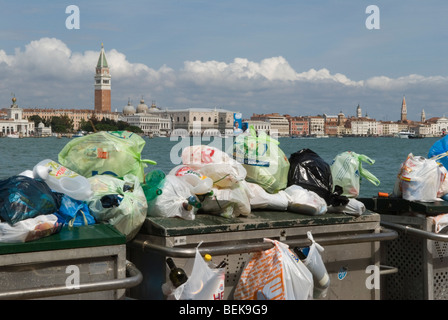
(41, 125)
(129, 109)
(142, 107)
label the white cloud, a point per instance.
(47, 72)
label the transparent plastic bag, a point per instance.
(128, 213)
(204, 283)
(264, 161)
(305, 201)
(114, 153)
(347, 172)
(30, 229)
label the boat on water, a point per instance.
(14, 136)
(78, 134)
(406, 134)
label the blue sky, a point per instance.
(286, 56)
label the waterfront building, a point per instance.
(42, 130)
(389, 128)
(317, 126)
(279, 124)
(152, 121)
(77, 115)
(102, 84)
(260, 125)
(331, 125)
(15, 123)
(197, 120)
(364, 126)
(298, 126)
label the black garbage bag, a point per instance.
(308, 170)
(23, 197)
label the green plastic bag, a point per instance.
(114, 153)
(347, 171)
(264, 161)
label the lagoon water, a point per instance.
(17, 155)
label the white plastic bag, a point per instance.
(274, 274)
(228, 202)
(175, 193)
(353, 207)
(129, 215)
(313, 261)
(204, 283)
(29, 229)
(419, 179)
(215, 164)
(261, 199)
(305, 201)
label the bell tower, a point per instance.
(102, 84)
(404, 111)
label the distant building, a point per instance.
(15, 123)
(42, 130)
(279, 124)
(102, 84)
(404, 110)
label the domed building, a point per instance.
(142, 107)
(129, 110)
(13, 124)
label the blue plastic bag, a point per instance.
(74, 212)
(439, 147)
(23, 198)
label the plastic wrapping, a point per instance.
(30, 229)
(22, 198)
(304, 201)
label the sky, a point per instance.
(293, 57)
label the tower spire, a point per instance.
(102, 84)
(404, 110)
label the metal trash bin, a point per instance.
(351, 245)
(420, 254)
(86, 262)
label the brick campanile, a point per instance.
(102, 84)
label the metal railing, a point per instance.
(134, 277)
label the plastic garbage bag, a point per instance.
(215, 164)
(274, 274)
(198, 183)
(439, 148)
(114, 153)
(419, 179)
(310, 171)
(347, 172)
(30, 229)
(264, 161)
(227, 202)
(22, 198)
(173, 201)
(204, 283)
(353, 207)
(305, 201)
(74, 212)
(311, 257)
(121, 203)
(260, 199)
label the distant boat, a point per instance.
(12, 135)
(405, 134)
(78, 134)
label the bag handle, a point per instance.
(366, 173)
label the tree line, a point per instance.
(64, 124)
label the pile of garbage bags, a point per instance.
(100, 178)
(96, 179)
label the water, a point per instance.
(18, 155)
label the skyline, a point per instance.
(294, 58)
